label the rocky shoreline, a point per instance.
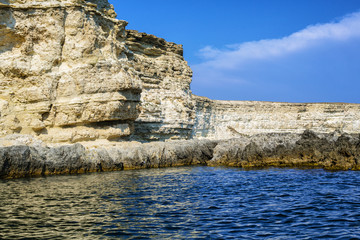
(309, 150)
(81, 93)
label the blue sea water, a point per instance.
(184, 203)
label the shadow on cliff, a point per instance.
(8, 37)
(146, 131)
(157, 131)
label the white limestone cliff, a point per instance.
(70, 72)
(167, 106)
(65, 74)
(231, 119)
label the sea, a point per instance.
(196, 202)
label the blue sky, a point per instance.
(278, 50)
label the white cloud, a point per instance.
(233, 57)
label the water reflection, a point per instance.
(183, 203)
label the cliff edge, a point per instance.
(74, 83)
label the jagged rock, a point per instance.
(71, 73)
(64, 64)
(307, 150)
(27, 161)
(167, 106)
(290, 150)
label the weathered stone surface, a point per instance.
(26, 161)
(232, 119)
(70, 73)
(328, 151)
(309, 150)
(167, 107)
(64, 64)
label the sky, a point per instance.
(261, 50)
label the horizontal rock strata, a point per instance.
(65, 74)
(230, 119)
(167, 109)
(75, 85)
(69, 68)
(328, 151)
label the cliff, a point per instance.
(80, 93)
(167, 110)
(65, 71)
(232, 119)
(70, 73)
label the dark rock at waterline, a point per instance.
(290, 150)
(328, 151)
(25, 161)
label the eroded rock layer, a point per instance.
(75, 86)
(167, 106)
(26, 161)
(306, 150)
(309, 150)
(65, 73)
(232, 119)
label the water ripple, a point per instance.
(184, 203)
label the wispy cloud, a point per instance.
(318, 63)
(234, 56)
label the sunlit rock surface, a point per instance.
(80, 93)
(65, 74)
(167, 107)
(232, 119)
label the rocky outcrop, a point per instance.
(27, 161)
(71, 73)
(167, 110)
(75, 86)
(307, 150)
(232, 119)
(65, 74)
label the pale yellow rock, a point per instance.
(230, 119)
(65, 64)
(70, 72)
(167, 106)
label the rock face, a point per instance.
(167, 107)
(71, 73)
(232, 119)
(65, 74)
